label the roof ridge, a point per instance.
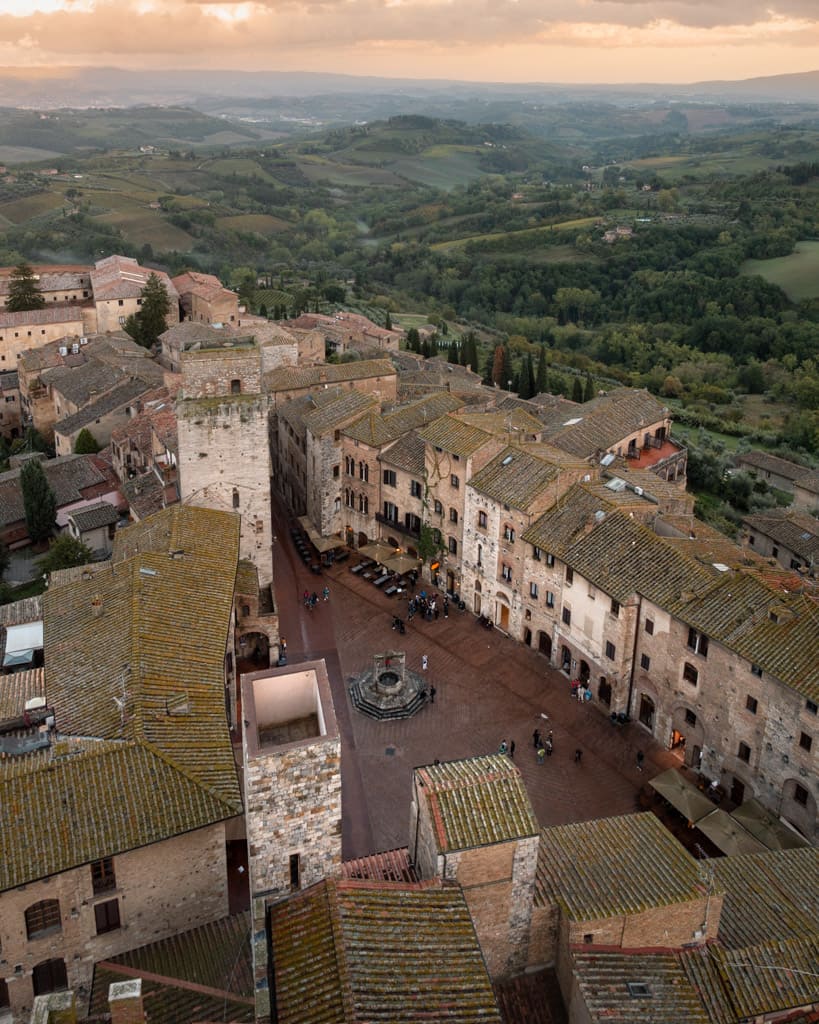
(163, 755)
(339, 949)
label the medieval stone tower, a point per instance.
(224, 455)
(292, 793)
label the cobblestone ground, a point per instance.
(489, 689)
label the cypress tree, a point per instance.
(39, 501)
(588, 391)
(577, 390)
(542, 379)
(23, 291)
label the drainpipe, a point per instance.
(633, 657)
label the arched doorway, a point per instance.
(393, 543)
(604, 691)
(527, 636)
(501, 612)
(476, 600)
(544, 644)
(647, 711)
(254, 647)
(585, 671)
(565, 658)
(687, 736)
(363, 540)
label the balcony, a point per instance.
(397, 526)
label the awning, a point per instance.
(22, 642)
(682, 795)
(378, 551)
(401, 563)
(766, 827)
(728, 835)
(320, 543)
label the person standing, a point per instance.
(578, 756)
(424, 662)
(536, 738)
(548, 748)
(541, 755)
(326, 593)
(432, 692)
(502, 748)
(512, 749)
(640, 758)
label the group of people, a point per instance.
(543, 747)
(581, 691)
(427, 607)
(311, 600)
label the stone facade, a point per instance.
(160, 890)
(292, 780)
(20, 332)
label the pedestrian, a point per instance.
(446, 607)
(326, 593)
(512, 749)
(536, 738)
(578, 756)
(306, 598)
(282, 645)
(424, 662)
(541, 754)
(502, 748)
(640, 758)
(548, 748)
(432, 692)
(313, 599)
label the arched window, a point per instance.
(364, 504)
(49, 976)
(364, 471)
(43, 918)
(235, 497)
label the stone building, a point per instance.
(57, 284)
(787, 535)
(471, 823)
(11, 421)
(204, 299)
(344, 332)
(292, 787)
(35, 328)
(116, 285)
(117, 778)
(224, 455)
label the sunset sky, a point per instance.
(485, 40)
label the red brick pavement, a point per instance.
(489, 688)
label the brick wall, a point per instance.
(162, 889)
(221, 371)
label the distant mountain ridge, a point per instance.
(102, 87)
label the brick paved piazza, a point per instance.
(489, 688)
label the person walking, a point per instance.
(424, 662)
(541, 755)
(326, 593)
(640, 758)
(446, 607)
(536, 738)
(512, 749)
(578, 756)
(502, 748)
(548, 747)
(432, 692)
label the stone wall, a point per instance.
(21, 337)
(161, 889)
(224, 463)
(225, 370)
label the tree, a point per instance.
(452, 352)
(151, 321)
(542, 379)
(39, 501)
(527, 379)
(388, 321)
(588, 390)
(86, 443)
(577, 390)
(429, 542)
(497, 367)
(23, 291)
(413, 340)
(65, 552)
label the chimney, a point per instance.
(96, 606)
(125, 1002)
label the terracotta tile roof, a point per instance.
(428, 967)
(290, 378)
(407, 453)
(124, 393)
(453, 435)
(477, 801)
(561, 525)
(514, 424)
(740, 984)
(604, 421)
(50, 315)
(771, 464)
(768, 896)
(614, 866)
(159, 760)
(93, 516)
(390, 866)
(204, 974)
(377, 430)
(121, 277)
(808, 482)
(68, 475)
(17, 688)
(30, 609)
(796, 530)
(517, 476)
(337, 414)
(670, 997)
(247, 578)
(79, 384)
(145, 494)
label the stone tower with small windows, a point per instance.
(224, 454)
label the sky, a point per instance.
(479, 40)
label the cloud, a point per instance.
(421, 37)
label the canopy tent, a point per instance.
(401, 562)
(766, 827)
(21, 643)
(321, 544)
(377, 550)
(682, 795)
(728, 835)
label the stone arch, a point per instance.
(257, 642)
(363, 539)
(802, 815)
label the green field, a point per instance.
(797, 275)
(21, 210)
(527, 237)
(261, 223)
(142, 226)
